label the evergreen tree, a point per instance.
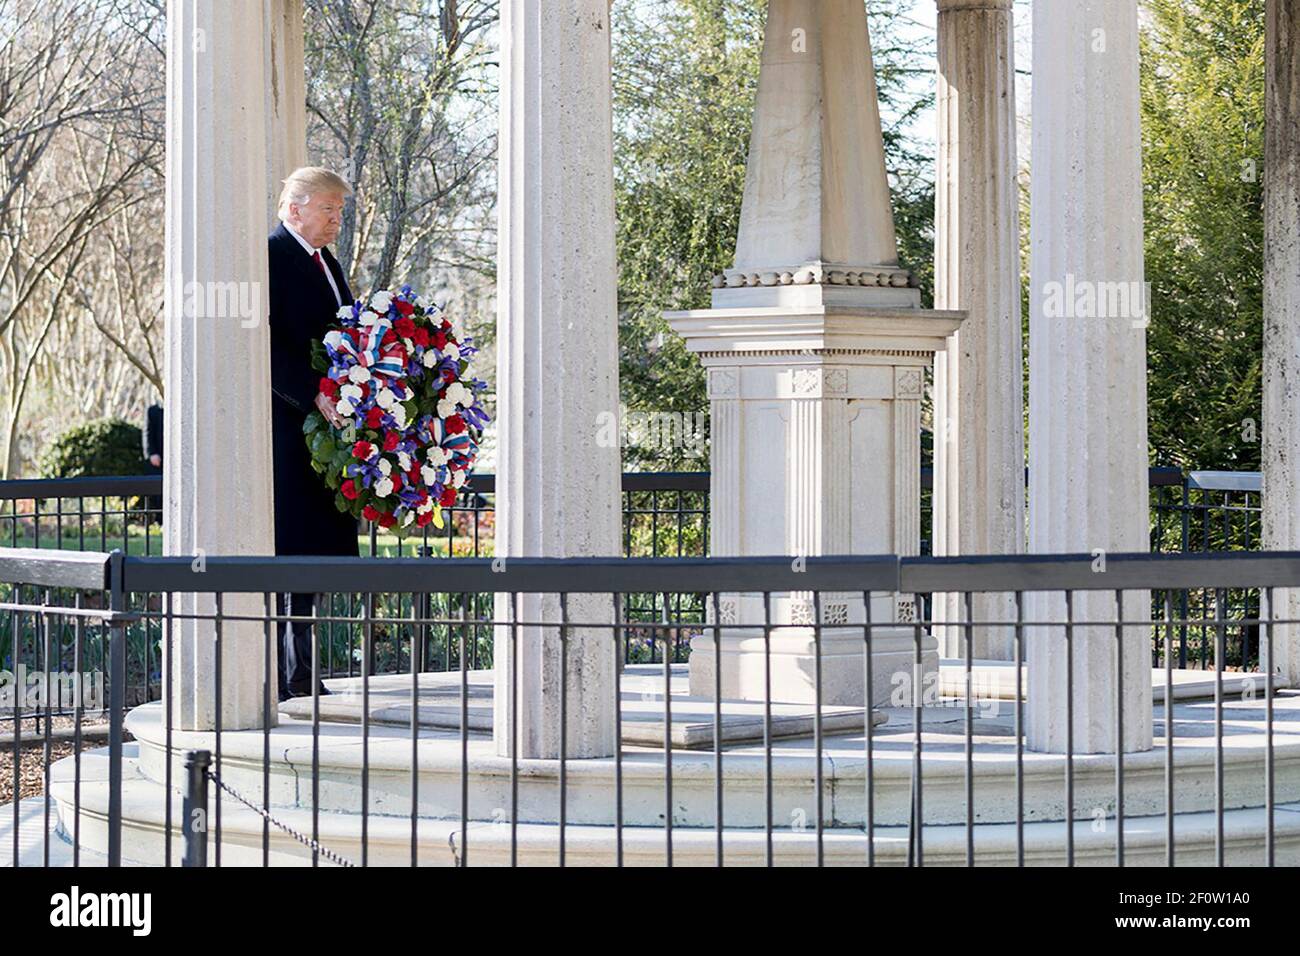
(1203, 132)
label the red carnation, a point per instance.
(349, 490)
(413, 476)
(420, 337)
(423, 518)
(439, 340)
(362, 450)
(387, 521)
(371, 513)
(446, 324)
(389, 338)
(405, 327)
(403, 307)
(391, 440)
(454, 425)
(448, 497)
(374, 416)
(329, 387)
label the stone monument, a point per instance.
(816, 349)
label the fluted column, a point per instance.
(979, 447)
(217, 471)
(557, 481)
(1281, 427)
(286, 96)
(1087, 365)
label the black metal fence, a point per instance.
(664, 515)
(400, 768)
(1210, 511)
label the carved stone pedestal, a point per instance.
(815, 450)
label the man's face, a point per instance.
(319, 220)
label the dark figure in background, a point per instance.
(307, 289)
(153, 452)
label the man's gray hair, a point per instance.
(308, 181)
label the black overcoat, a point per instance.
(302, 309)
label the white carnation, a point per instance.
(344, 407)
(446, 408)
(452, 351)
(457, 479)
(403, 461)
(385, 466)
(384, 486)
(386, 399)
(381, 301)
(408, 518)
(358, 374)
(430, 358)
(458, 393)
(344, 312)
(429, 475)
(437, 457)
(351, 392)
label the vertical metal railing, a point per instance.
(450, 781)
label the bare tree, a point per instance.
(398, 91)
(78, 138)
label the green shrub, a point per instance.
(97, 450)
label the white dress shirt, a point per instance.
(312, 251)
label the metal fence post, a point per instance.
(194, 808)
(424, 608)
(116, 702)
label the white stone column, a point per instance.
(1281, 427)
(558, 483)
(979, 433)
(1087, 374)
(286, 96)
(217, 467)
(816, 349)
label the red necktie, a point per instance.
(320, 262)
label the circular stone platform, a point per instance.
(592, 790)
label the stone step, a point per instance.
(641, 701)
(996, 680)
(593, 783)
(440, 843)
(38, 846)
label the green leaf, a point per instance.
(320, 360)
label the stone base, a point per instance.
(1006, 788)
(641, 704)
(793, 666)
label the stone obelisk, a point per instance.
(816, 348)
